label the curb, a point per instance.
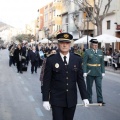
(112, 70)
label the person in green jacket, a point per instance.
(94, 70)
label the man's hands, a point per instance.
(46, 105)
(103, 74)
(85, 74)
(86, 102)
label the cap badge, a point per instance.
(56, 65)
(66, 36)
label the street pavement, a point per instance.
(21, 98)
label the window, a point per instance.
(46, 17)
(57, 27)
(108, 24)
(54, 12)
(50, 15)
(66, 20)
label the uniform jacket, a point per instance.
(59, 82)
(91, 58)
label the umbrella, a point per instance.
(45, 41)
(83, 40)
(107, 38)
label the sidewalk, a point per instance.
(111, 69)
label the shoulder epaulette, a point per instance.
(50, 55)
(77, 54)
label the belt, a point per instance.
(94, 65)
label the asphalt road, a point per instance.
(21, 99)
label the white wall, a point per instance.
(112, 29)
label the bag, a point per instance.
(24, 67)
(23, 57)
(20, 57)
(41, 54)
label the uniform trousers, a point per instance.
(63, 113)
(98, 83)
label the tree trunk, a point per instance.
(99, 28)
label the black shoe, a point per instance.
(103, 103)
(21, 72)
(90, 102)
(31, 72)
(35, 71)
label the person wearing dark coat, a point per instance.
(34, 57)
(63, 73)
(18, 58)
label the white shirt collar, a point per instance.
(95, 50)
(67, 57)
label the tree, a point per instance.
(95, 12)
(27, 37)
(80, 27)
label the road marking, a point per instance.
(31, 98)
(26, 89)
(22, 82)
(39, 112)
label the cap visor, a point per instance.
(68, 41)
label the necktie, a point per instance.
(65, 60)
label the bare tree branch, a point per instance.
(93, 11)
(107, 6)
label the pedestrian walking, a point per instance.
(18, 58)
(43, 68)
(34, 57)
(63, 70)
(94, 70)
(11, 55)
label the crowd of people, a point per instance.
(21, 55)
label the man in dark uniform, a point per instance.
(63, 70)
(93, 67)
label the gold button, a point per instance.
(67, 83)
(66, 77)
(67, 90)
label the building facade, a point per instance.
(111, 23)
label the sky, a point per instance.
(17, 13)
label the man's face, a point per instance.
(64, 46)
(94, 46)
(33, 48)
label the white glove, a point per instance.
(85, 74)
(103, 74)
(86, 102)
(46, 105)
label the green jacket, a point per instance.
(93, 63)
